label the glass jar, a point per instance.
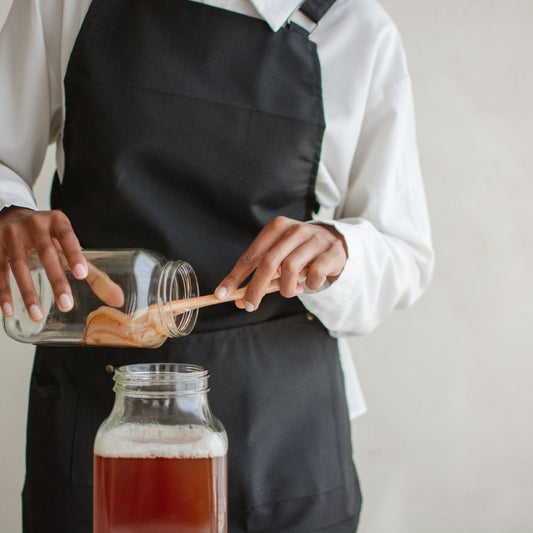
(160, 458)
(124, 301)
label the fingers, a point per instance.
(18, 258)
(284, 248)
(104, 287)
(248, 261)
(301, 257)
(6, 298)
(47, 230)
(50, 234)
(327, 265)
(55, 273)
(259, 254)
(69, 243)
(101, 284)
(288, 255)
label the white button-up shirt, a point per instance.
(369, 183)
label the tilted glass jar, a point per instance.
(124, 301)
(160, 458)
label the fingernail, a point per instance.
(65, 302)
(249, 306)
(7, 309)
(35, 312)
(80, 271)
(221, 292)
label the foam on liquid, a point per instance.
(156, 440)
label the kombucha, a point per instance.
(163, 479)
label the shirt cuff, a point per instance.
(14, 191)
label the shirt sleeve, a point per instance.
(383, 216)
(30, 103)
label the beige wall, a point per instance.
(445, 447)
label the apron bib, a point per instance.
(187, 129)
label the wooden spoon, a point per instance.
(109, 326)
(188, 304)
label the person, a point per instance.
(252, 139)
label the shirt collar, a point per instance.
(276, 12)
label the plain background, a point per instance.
(446, 444)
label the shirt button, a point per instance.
(309, 316)
(109, 368)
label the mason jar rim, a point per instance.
(158, 378)
(177, 277)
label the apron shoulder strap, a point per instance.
(316, 9)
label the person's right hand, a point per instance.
(49, 233)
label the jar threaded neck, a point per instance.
(161, 379)
(176, 282)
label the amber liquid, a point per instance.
(159, 495)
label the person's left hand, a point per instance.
(283, 248)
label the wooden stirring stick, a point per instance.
(182, 306)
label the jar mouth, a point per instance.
(160, 378)
(177, 282)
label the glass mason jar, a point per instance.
(124, 301)
(160, 458)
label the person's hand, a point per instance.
(50, 234)
(283, 248)
(24, 230)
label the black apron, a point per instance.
(188, 128)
